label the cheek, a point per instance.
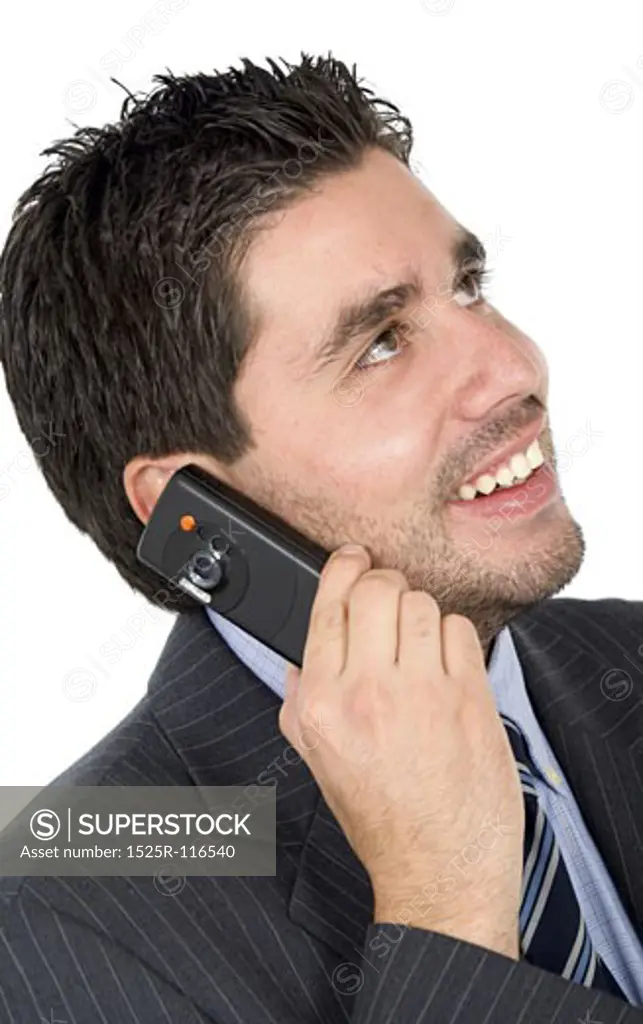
(371, 448)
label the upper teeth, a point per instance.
(519, 467)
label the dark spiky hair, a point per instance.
(122, 321)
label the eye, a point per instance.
(470, 283)
(383, 349)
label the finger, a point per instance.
(373, 611)
(325, 649)
(420, 634)
(461, 649)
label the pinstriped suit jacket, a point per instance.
(300, 948)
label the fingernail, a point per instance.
(350, 549)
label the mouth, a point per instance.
(508, 469)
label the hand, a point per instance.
(410, 754)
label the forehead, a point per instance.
(359, 230)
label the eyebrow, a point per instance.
(363, 316)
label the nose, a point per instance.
(494, 363)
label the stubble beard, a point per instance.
(477, 583)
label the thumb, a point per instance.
(291, 679)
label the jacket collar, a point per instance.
(223, 723)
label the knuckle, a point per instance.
(421, 611)
(313, 711)
(328, 618)
(371, 703)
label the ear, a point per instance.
(144, 478)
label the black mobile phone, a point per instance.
(227, 552)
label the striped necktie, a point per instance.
(553, 934)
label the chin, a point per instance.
(493, 586)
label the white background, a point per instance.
(528, 125)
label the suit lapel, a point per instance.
(332, 898)
(583, 667)
(222, 721)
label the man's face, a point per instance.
(432, 392)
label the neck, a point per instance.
(487, 645)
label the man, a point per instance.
(243, 273)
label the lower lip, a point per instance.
(523, 499)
